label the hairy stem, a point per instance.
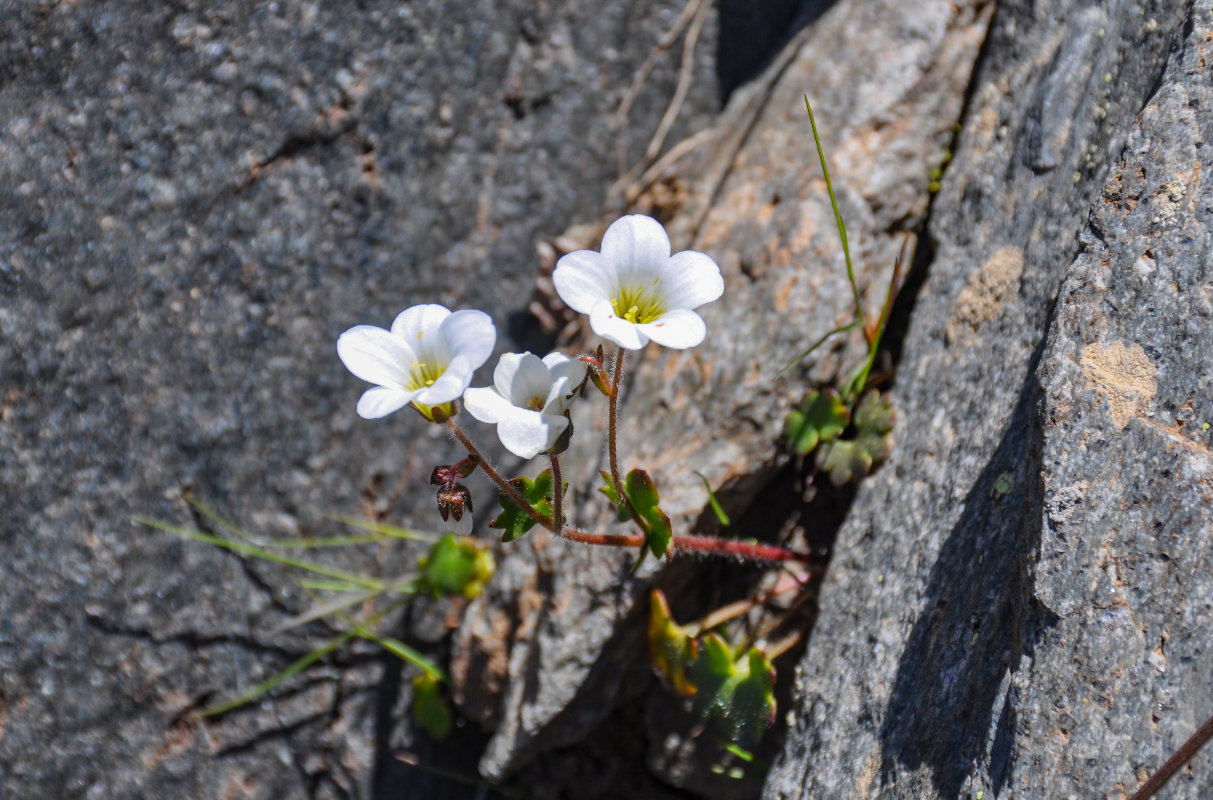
(709, 545)
(496, 478)
(612, 449)
(557, 496)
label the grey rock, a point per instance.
(197, 200)
(1019, 604)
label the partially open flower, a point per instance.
(527, 400)
(634, 290)
(426, 359)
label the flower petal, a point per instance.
(531, 380)
(450, 385)
(486, 404)
(469, 333)
(381, 401)
(606, 324)
(555, 359)
(528, 433)
(690, 280)
(582, 278)
(414, 324)
(635, 244)
(567, 373)
(503, 373)
(375, 355)
(678, 328)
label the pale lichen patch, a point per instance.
(1122, 376)
(990, 288)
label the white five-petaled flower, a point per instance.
(634, 290)
(426, 359)
(527, 400)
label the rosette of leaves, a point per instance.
(870, 442)
(820, 417)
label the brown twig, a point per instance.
(1175, 762)
(642, 74)
(685, 74)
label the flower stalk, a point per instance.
(496, 477)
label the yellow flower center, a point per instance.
(639, 304)
(423, 374)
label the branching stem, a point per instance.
(496, 478)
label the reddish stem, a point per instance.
(557, 496)
(753, 551)
(612, 450)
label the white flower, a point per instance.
(527, 401)
(426, 359)
(634, 290)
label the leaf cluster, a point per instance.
(848, 444)
(733, 688)
(514, 520)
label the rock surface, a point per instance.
(197, 200)
(1019, 605)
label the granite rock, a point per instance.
(1019, 604)
(198, 198)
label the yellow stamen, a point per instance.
(643, 304)
(423, 374)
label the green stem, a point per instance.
(850, 326)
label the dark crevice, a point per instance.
(753, 32)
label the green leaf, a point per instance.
(753, 706)
(384, 529)
(608, 489)
(362, 581)
(430, 709)
(737, 695)
(456, 565)
(642, 492)
(850, 459)
(716, 509)
(513, 519)
(671, 646)
(400, 650)
(820, 417)
(303, 663)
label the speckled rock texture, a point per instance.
(1020, 604)
(197, 198)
